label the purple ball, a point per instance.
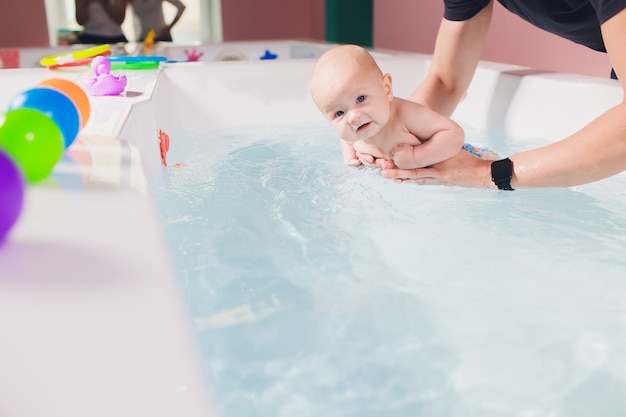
(11, 194)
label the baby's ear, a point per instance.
(387, 84)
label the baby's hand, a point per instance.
(371, 161)
(402, 155)
(366, 159)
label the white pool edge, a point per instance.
(91, 314)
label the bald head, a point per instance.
(340, 64)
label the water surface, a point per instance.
(322, 290)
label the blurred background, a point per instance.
(403, 25)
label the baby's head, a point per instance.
(351, 91)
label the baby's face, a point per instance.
(356, 105)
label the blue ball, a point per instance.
(54, 104)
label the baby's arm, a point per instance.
(349, 154)
(353, 158)
(442, 137)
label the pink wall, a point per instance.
(23, 23)
(398, 24)
(412, 26)
(242, 20)
(272, 19)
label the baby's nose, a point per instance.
(354, 116)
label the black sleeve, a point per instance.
(459, 10)
(606, 9)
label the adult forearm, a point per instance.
(437, 96)
(179, 13)
(455, 57)
(180, 8)
(595, 152)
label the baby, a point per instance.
(357, 99)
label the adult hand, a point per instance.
(463, 169)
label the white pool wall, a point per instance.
(243, 50)
(30, 57)
(91, 317)
(517, 101)
(527, 103)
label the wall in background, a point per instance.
(272, 19)
(23, 23)
(398, 24)
(412, 26)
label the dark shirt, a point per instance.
(576, 20)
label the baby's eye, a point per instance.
(360, 99)
(339, 113)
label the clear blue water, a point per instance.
(316, 289)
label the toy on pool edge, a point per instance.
(32, 140)
(75, 93)
(54, 104)
(104, 83)
(11, 194)
(148, 43)
(81, 57)
(268, 55)
(193, 55)
(40, 124)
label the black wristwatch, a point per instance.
(501, 173)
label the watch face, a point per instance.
(501, 173)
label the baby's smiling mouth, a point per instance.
(363, 126)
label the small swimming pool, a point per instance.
(255, 280)
(318, 289)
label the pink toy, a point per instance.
(104, 83)
(193, 55)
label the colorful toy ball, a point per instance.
(32, 140)
(54, 104)
(11, 194)
(75, 93)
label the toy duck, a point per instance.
(104, 83)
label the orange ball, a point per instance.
(75, 93)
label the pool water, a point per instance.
(317, 289)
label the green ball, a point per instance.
(33, 140)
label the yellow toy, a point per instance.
(148, 42)
(75, 57)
